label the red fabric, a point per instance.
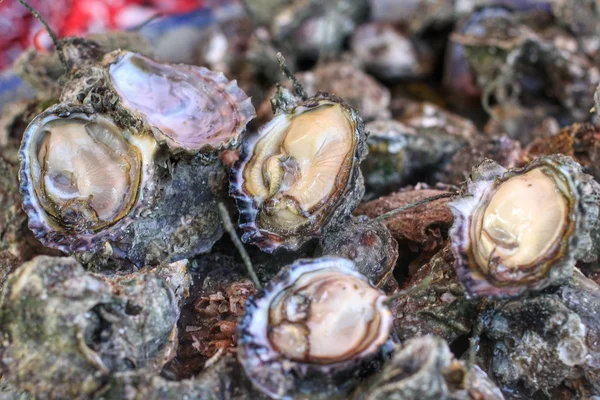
(19, 29)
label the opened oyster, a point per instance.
(300, 173)
(82, 177)
(523, 229)
(317, 325)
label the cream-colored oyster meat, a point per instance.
(523, 219)
(297, 167)
(331, 317)
(87, 163)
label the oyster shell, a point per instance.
(400, 153)
(299, 175)
(425, 369)
(388, 53)
(190, 108)
(82, 178)
(64, 330)
(501, 243)
(317, 324)
(546, 341)
(370, 245)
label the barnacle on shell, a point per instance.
(523, 229)
(315, 325)
(189, 108)
(299, 173)
(82, 177)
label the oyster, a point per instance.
(64, 330)
(401, 153)
(82, 177)
(318, 324)
(388, 53)
(190, 108)
(546, 341)
(299, 175)
(370, 245)
(523, 229)
(425, 369)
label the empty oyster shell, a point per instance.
(523, 229)
(82, 177)
(318, 324)
(300, 173)
(191, 108)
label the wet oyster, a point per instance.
(370, 245)
(523, 229)
(316, 326)
(300, 173)
(543, 342)
(190, 108)
(64, 330)
(425, 369)
(82, 177)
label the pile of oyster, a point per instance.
(414, 213)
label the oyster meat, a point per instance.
(523, 229)
(299, 173)
(315, 325)
(82, 177)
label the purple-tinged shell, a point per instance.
(287, 352)
(289, 190)
(190, 108)
(531, 225)
(87, 189)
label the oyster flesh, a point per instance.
(312, 329)
(300, 173)
(82, 177)
(523, 229)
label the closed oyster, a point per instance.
(425, 369)
(83, 178)
(64, 330)
(547, 341)
(523, 229)
(370, 245)
(316, 326)
(300, 173)
(189, 108)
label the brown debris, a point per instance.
(580, 141)
(424, 226)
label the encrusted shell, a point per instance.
(275, 371)
(345, 194)
(73, 223)
(576, 240)
(189, 108)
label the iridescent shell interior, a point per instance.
(192, 108)
(80, 175)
